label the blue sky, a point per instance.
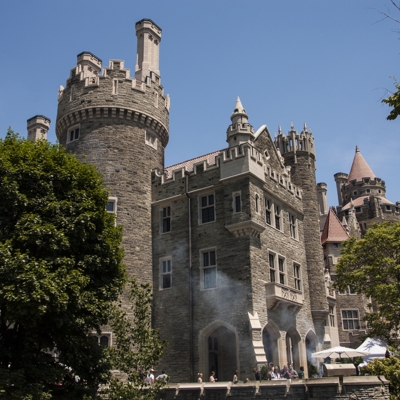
(326, 63)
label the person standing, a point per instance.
(150, 377)
(257, 374)
(275, 374)
(199, 377)
(212, 377)
(162, 377)
(301, 373)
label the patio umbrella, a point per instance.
(338, 351)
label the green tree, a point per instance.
(60, 268)
(371, 265)
(138, 347)
(390, 369)
(393, 101)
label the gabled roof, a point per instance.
(333, 231)
(360, 169)
(188, 165)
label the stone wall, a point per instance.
(353, 387)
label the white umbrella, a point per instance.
(337, 352)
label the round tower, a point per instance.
(120, 124)
(38, 126)
(298, 151)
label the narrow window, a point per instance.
(166, 219)
(209, 269)
(207, 208)
(237, 203)
(281, 263)
(293, 227)
(297, 276)
(115, 86)
(257, 203)
(271, 267)
(331, 316)
(71, 93)
(277, 217)
(166, 274)
(268, 211)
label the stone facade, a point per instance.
(230, 240)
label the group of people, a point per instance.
(274, 372)
(150, 380)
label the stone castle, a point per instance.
(231, 240)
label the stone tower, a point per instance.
(121, 124)
(298, 151)
(38, 126)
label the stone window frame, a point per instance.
(165, 265)
(276, 274)
(237, 202)
(151, 139)
(352, 321)
(101, 337)
(273, 213)
(293, 226)
(165, 219)
(257, 203)
(111, 206)
(208, 267)
(208, 204)
(297, 276)
(73, 133)
(115, 86)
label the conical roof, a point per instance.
(360, 169)
(333, 231)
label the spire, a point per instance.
(334, 231)
(240, 131)
(360, 169)
(239, 113)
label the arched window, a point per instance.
(104, 341)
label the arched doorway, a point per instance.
(311, 346)
(271, 335)
(292, 347)
(218, 352)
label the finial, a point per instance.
(357, 149)
(305, 127)
(239, 106)
(279, 130)
(292, 126)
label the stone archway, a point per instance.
(292, 347)
(270, 337)
(311, 347)
(218, 350)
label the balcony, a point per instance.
(281, 295)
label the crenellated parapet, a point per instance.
(295, 142)
(360, 188)
(232, 162)
(112, 94)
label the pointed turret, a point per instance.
(360, 168)
(240, 131)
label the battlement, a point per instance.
(112, 93)
(38, 126)
(364, 182)
(232, 161)
(294, 142)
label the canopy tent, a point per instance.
(375, 348)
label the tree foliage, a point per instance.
(371, 265)
(390, 369)
(393, 101)
(60, 267)
(138, 347)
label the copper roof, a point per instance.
(360, 201)
(333, 231)
(360, 169)
(189, 164)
